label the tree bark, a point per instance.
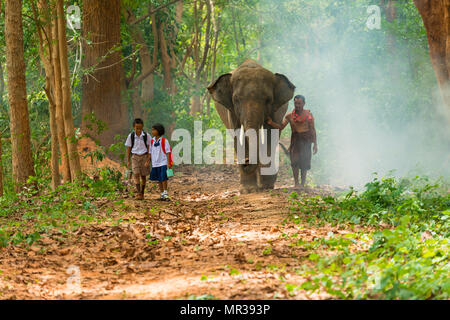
(72, 143)
(58, 100)
(22, 159)
(214, 49)
(1, 166)
(44, 31)
(56, 180)
(148, 61)
(102, 86)
(2, 81)
(436, 18)
(165, 58)
(200, 61)
(390, 9)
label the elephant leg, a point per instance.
(248, 181)
(267, 182)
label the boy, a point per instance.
(138, 156)
(161, 157)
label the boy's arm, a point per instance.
(149, 155)
(128, 144)
(129, 157)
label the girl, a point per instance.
(161, 157)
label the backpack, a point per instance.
(133, 135)
(163, 147)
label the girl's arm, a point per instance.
(169, 164)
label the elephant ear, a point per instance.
(222, 91)
(283, 91)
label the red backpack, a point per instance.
(163, 147)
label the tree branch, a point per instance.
(153, 11)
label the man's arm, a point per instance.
(276, 125)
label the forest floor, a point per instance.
(207, 242)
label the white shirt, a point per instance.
(159, 159)
(139, 145)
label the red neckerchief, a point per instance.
(300, 118)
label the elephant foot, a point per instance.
(268, 187)
(249, 189)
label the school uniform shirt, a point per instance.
(159, 159)
(139, 144)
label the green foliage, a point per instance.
(407, 259)
(26, 216)
(202, 297)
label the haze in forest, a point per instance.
(365, 91)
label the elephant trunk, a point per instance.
(252, 121)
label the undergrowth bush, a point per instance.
(407, 257)
(24, 217)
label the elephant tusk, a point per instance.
(262, 135)
(241, 137)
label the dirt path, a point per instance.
(208, 240)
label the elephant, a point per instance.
(245, 98)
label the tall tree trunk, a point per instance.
(200, 61)
(390, 9)
(137, 106)
(436, 18)
(44, 31)
(102, 88)
(56, 180)
(165, 58)
(2, 88)
(236, 38)
(74, 158)
(216, 39)
(2, 82)
(148, 61)
(22, 158)
(1, 166)
(58, 100)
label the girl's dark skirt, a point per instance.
(159, 174)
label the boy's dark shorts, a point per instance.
(159, 174)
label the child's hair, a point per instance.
(160, 128)
(138, 121)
